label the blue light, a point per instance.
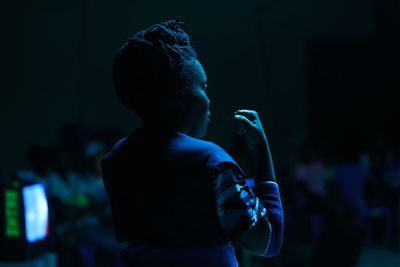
(36, 212)
(250, 182)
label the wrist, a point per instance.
(264, 166)
(262, 146)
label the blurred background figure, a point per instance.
(310, 179)
(95, 237)
(80, 232)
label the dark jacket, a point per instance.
(161, 190)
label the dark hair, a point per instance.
(153, 63)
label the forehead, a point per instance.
(199, 73)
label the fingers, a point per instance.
(242, 124)
(246, 111)
(244, 120)
(250, 114)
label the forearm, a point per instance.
(263, 164)
(268, 193)
(266, 189)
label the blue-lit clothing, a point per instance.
(215, 256)
(162, 189)
(268, 193)
(240, 206)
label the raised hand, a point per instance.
(247, 123)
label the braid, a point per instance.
(153, 63)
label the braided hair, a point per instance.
(153, 63)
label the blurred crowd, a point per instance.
(80, 227)
(337, 200)
(343, 199)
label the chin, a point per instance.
(199, 130)
(200, 133)
(204, 132)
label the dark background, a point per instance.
(323, 76)
(310, 68)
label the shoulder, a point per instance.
(198, 146)
(214, 156)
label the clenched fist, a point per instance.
(247, 123)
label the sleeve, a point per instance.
(268, 193)
(238, 207)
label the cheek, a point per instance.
(200, 104)
(204, 106)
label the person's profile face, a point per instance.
(197, 106)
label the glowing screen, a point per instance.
(36, 212)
